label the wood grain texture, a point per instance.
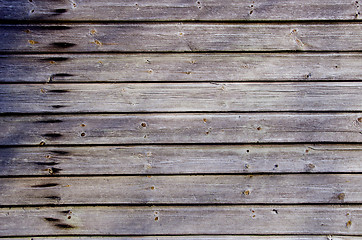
(181, 128)
(180, 67)
(216, 189)
(179, 10)
(180, 159)
(180, 37)
(181, 97)
(223, 237)
(181, 220)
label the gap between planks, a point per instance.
(196, 237)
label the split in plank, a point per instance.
(215, 189)
(147, 10)
(180, 97)
(181, 128)
(177, 220)
(180, 67)
(147, 160)
(180, 37)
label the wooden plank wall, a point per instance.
(180, 119)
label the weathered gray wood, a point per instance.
(181, 67)
(216, 189)
(180, 159)
(180, 37)
(181, 220)
(181, 97)
(181, 128)
(223, 237)
(180, 10)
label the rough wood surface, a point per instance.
(180, 67)
(223, 237)
(181, 97)
(180, 10)
(182, 220)
(181, 128)
(36, 161)
(180, 37)
(216, 189)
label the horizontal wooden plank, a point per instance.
(181, 220)
(180, 10)
(216, 189)
(181, 97)
(180, 67)
(181, 128)
(180, 37)
(103, 160)
(208, 237)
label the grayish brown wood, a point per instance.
(181, 220)
(180, 159)
(223, 237)
(181, 128)
(216, 189)
(181, 67)
(181, 37)
(180, 10)
(181, 97)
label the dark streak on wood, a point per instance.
(52, 135)
(62, 75)
(54, 197)
(55, 170)
(63, 44)
(59, 91)
(58, 106)
(50, 121)
(59, 11)
(60, 152)
(46, 163)
(49, 219)
(45, 185)
(64, 225)
(55, 59)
